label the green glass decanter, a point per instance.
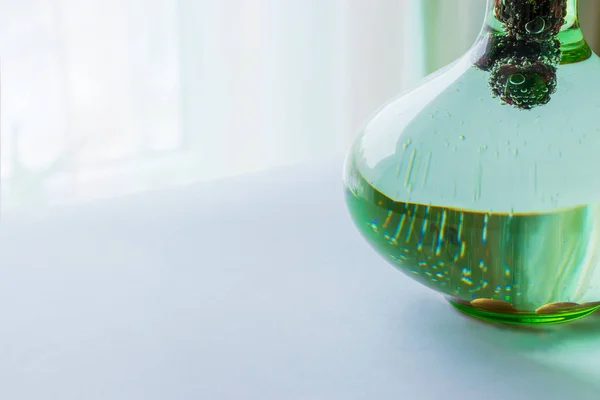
(483, 182)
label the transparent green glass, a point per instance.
(483, 183)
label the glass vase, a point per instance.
(482, 182)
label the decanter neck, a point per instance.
(540, 20)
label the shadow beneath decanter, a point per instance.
(552, 361)
(531, 337)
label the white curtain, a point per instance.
(90, 88)
(105, 97)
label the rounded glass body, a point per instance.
(482, 182)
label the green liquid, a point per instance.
(527, 260)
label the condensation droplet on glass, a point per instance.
(536, 26)
(517, 79)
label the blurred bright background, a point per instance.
(101, 98)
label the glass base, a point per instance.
(500, 312)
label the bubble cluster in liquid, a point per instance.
(522, 62)
(538, 19)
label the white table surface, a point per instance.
(252, 288)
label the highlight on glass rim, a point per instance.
(481, 182)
